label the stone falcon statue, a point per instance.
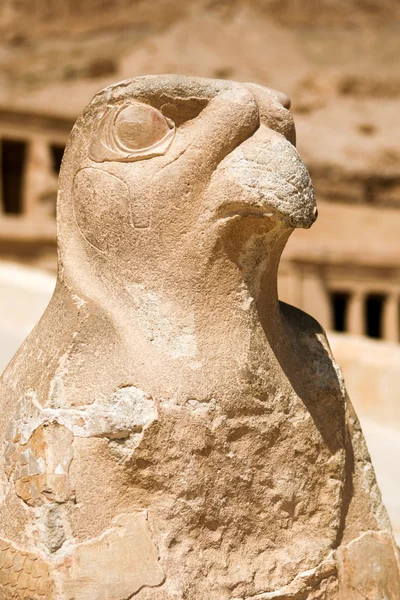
(170, 430)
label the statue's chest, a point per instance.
(254, 452)
(248, 468)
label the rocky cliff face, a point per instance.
(40, 17)
(338, 61)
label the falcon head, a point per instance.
(160, 154)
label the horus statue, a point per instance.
(170, 430)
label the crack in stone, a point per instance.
(303, 582)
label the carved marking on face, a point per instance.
(103, 206)
(131, 132)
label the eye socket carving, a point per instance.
(134, 131)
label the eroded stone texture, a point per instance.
(171, 431)
(320, 582)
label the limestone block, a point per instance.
(171, 431)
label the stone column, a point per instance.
(391, 318)
(39, 177)
(355, 319)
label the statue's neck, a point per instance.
(205, 310)
(213, 307)
(234, 285)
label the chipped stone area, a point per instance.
(304, 583)
(129, 410)
(39, 441)
(164, 325)
(39, 467)
(202, 405)
(51, 529)
(368, 568)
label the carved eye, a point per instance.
(131, 132)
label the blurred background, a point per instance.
(338, 60)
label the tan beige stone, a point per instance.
(187, 435)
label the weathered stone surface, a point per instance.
(171, 430)
(369, 568)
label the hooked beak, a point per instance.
(265, 176)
